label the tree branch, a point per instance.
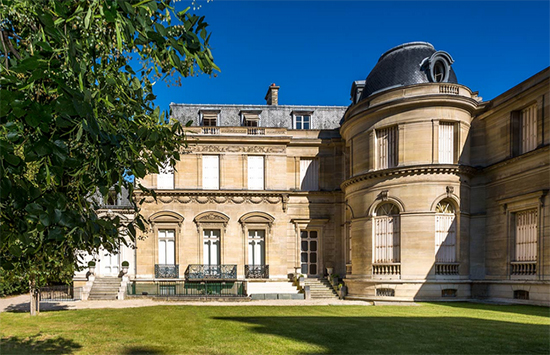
(4, 46)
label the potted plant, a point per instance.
(91, 267)
(125, 266)
(334, 279)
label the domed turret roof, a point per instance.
(409, 64)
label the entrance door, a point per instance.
(309, 260)
(110, 264)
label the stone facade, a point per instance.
(419, 190)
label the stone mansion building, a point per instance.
(419, 190)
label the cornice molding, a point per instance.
(411, 170)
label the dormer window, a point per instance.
(209, 118)
(438, 67)
(250, 118)
(301, 120)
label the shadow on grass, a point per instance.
(142, 350)
(44, 307)
(405, 335)
(526, 310)
(35, 345)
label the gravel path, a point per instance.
(21, 303)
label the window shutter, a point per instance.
(309, 175)
(387, 147)
(446, 142)
(165, 178)
(528, 129)
(255, 172)
(210, 172)
(526, 235)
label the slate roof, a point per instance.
(401, 66)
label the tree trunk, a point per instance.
(35, 301)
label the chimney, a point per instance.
(272, 96)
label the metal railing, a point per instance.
(211, 272)
(524, 268)
(188, 289)
(256, 271)
(59, 293)
(386, 269)
(167, 271)
(446, 268)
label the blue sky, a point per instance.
(314, 50)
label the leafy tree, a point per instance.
(76, 119)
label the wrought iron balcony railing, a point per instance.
(256, 271)
(167, 271)
(211, 272)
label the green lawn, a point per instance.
(454, 328)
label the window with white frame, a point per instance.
(386, 144)
(209, 118)
(445, 233)
(446, 142)
(528, 128)
(255, 172)
(309, 174)
(211, 247)
(211, 172)
(167, 250)
(526, 235)
(256, 247)
(302, 121)
(251, 119)
(386, 234)
(165, 177)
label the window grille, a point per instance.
(445, 233)
(387, 147)
(386, 234)
(521, 295)
(448, 292)
(385, 292)
(526, 235)
(528, 128)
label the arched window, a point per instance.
(445, 232)
(386, 234)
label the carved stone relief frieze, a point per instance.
(236, 149)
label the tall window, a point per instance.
(386, 140)
(526, 233)
(165, 177)
(255, 172)
(309, 174)
(445, 233)
(446, 142)
(210, 172)
(302, 121)
(386, 234)
(167, 251)
(211, 247)
(256, 247)
(528, 127)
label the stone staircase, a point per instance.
(105, 288)
(320, 288)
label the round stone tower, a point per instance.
(407, 188)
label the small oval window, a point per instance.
(439, 71)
